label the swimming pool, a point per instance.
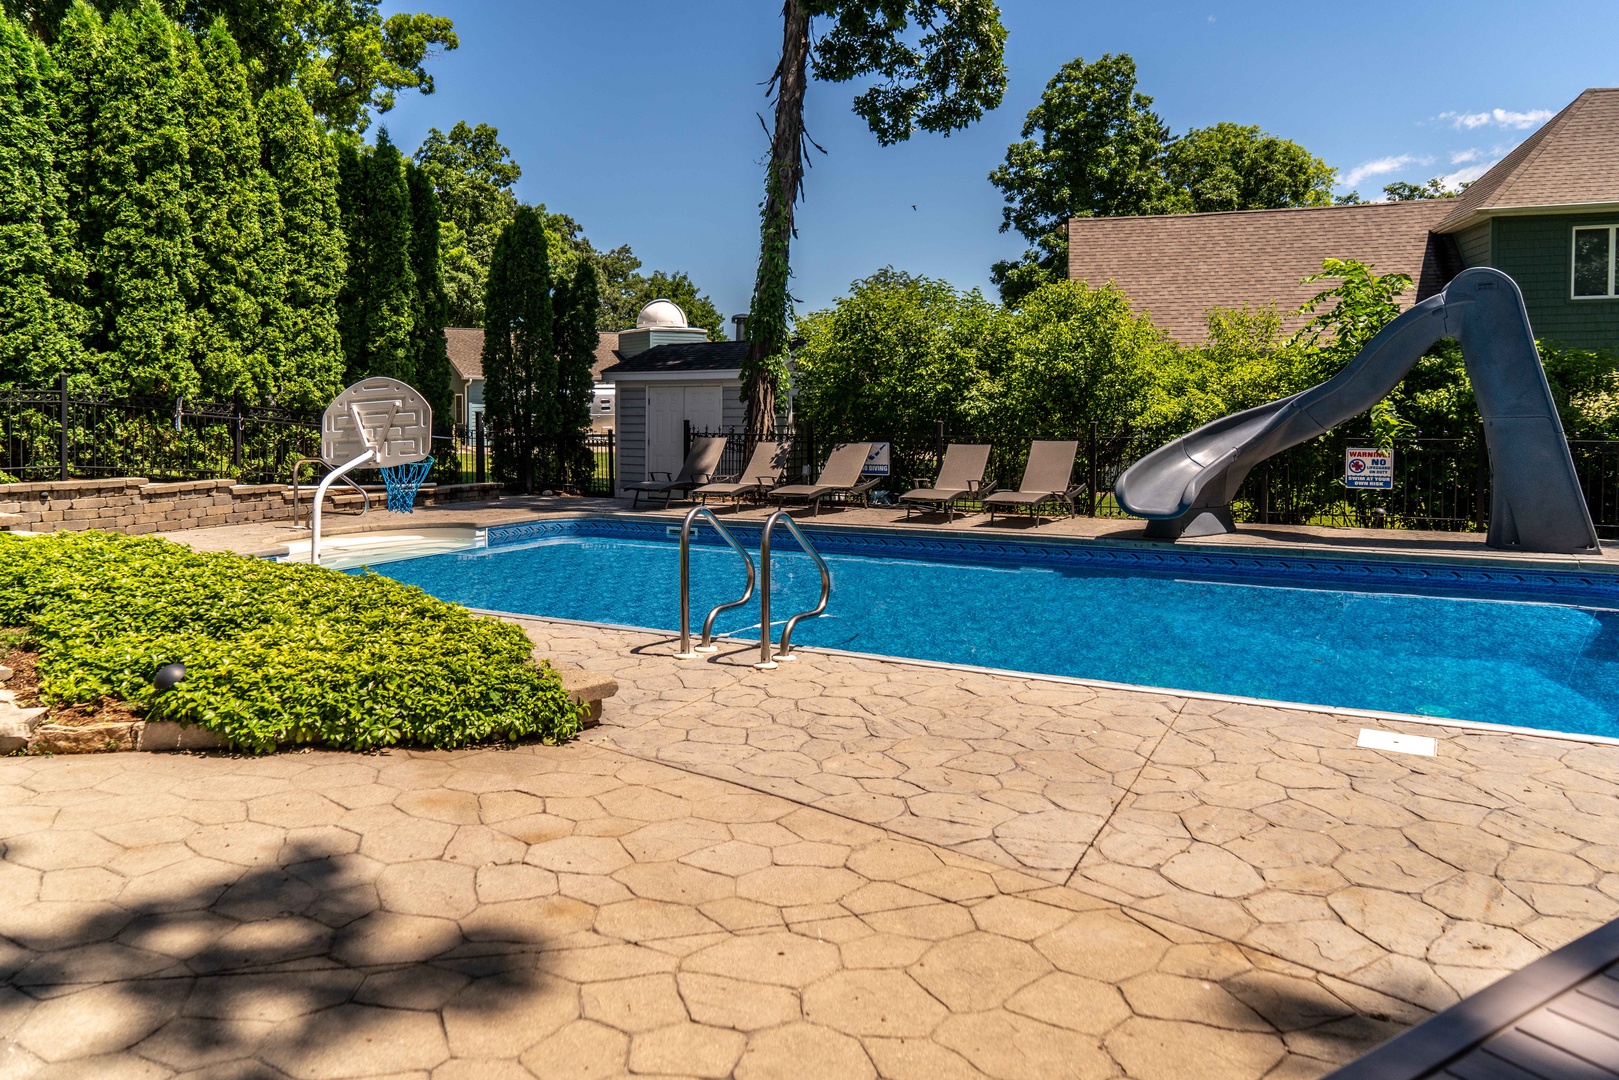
(1526, 647)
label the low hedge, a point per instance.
(274, 652)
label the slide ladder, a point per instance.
(1185, 487)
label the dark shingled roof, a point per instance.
(465, 345)
(685, 356)
(1572, 160)
(1177, 266)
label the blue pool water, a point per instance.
(1521, 647)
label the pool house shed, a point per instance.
(669, 379)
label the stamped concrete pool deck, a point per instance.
(843, 867)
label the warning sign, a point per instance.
(876, 460)
(1366, 468)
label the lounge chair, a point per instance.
(759, 475)
(960, 475)
(698, 469)
(841, 476)
(1045, 479)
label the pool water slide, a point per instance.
(1185, 487)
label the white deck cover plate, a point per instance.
(397, 422)
(1373, 739)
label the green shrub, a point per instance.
(273, 652)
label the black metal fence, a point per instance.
(56, 433)
(59, 433)
(1439, 484)
(462, 457)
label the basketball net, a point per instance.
(401, 481)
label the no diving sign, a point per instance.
(1365, 468)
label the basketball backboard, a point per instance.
(378, 414)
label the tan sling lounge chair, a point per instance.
(701, 461)
(1045, 479)
(961, 475)
(841, 476)
(759, 475)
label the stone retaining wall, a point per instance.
(132, 504)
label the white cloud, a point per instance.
(1501, 118)
(1380, 167)
(1455, 180)
(1462, 157)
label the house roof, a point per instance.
(1177, 266)
(1573, 160)
(465, 346)
(606, 354)
(684, 356)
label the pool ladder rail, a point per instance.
(766, 661)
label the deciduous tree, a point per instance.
(1092, 147)
(473, 175)
(1236, 167)
(934, 65)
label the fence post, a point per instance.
(612, 463)
(61, 387)
(1090, 479)
(1264, 494)
(1481, 505)
(478, 453)
(236, 434)
(938, 439)
(685, 449)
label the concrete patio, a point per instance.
(845, 867)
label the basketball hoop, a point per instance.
(378, 423)
(402, 482)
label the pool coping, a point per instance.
(1341, 712)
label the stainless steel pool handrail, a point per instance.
(686, 651)
(785, 652)
(300, 463)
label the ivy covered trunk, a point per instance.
(767, 317)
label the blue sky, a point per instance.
(638, 118)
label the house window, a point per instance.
(460, 413)
(1593, 262)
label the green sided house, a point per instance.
(1546, 214)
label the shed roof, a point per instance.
(1573, 160)
(1177, 266)
(684, 356)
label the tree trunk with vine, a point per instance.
(767, 318)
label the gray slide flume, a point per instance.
(1185, 487)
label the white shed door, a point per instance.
(668, 410)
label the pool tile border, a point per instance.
(1507, 583)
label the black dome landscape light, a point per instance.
(168, 677)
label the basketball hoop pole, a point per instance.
(320, 497)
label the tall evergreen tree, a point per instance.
(234, 216)
(125, 162)
(519, 355)
(576, 303)
(375, 309)
(432, 358)
(40, 325)
(301, 318)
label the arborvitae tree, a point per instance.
(301, 319)
(234, 217)
(576, 303)
(519, 355)
(432, 357)
(40, 326)
(125, 159)
(379, 296)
